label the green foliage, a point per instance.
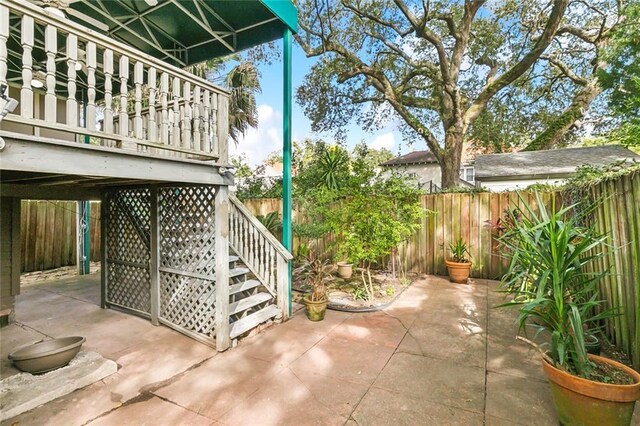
(588, 175)
(390, 291)
(271, 221)
(459, 251)
(550, 255)
(621, 78)
(316, 272)
(373, 221)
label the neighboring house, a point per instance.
(505, 172)
(423, 167)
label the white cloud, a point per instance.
(258, 143)
(385, 140)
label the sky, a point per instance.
(267, 137)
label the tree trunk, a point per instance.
(451, 159)
(553, 134)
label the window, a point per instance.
(468, 174)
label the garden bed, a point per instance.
(349, 295)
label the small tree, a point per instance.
(373, 222)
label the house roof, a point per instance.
(186, 33)
(415, 157)
(555, 162)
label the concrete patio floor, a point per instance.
(438, 355)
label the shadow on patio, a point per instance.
(438, 355)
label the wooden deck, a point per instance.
(95, 112)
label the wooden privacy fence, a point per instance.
(451, 216)
(619, 217)
(48, 234)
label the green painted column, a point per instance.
(85, 207)
(287, 237)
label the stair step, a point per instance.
(233, 259)
(251, 321)
(243, 286)
(236, 272)
(248, 302)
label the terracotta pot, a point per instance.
(345, 270)
(315, 310)
(458, 272)
(580, 401)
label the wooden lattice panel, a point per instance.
(188, 303)
(128, 254)
(187, 229)
(187, 258)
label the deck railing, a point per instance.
(71, 80)
(260, 251)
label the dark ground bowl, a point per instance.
(48, 355)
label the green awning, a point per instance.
(187, 32)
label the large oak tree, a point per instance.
(437, 66)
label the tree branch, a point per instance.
(509, 76)
(564, 69)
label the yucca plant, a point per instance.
(550, 280)
(459, 251)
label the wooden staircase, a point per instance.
(250, 303)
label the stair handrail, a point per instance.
(261, 228)
(269, 266)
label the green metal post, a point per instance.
(287, 239)
(85, 205)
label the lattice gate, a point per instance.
(160, 256)
(187, 260)
(128, 242)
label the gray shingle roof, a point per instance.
(555, 162)
(415, 157)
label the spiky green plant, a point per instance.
(550, 279)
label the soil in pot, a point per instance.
(458, 272)
(315, 310)
(580, 401)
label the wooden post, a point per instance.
(223, 340)
(26, 93)
(138, 75)
(4, 36)
(283, 286)
(92, 61)
(104, 222)
(108, 90)
(223, 129)
(51, 47)
(154, 261)
(123, 117)
(15, 246)
(72, 58)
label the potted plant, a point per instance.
(316, 272)
(459, 266)
(345, 270)
(558, 288)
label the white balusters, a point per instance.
(138, 74)
(182, 113)
(4, 36)
(205, 146)
(72, 59)
(26, 93)
(260, 251)
(196, 118)
(175, 136)
(213, 136)
(186, 116)
(152, 130)
(123, 118)
(107, 60)
(50, 47)
(164, 105)
(91, 58)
